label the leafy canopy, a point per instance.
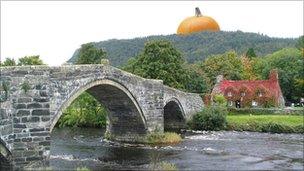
(30, 60)
(8, 62)
(27, 60)
(227, 64)
(250, 53)
(289, 62)
(159, 60)
(89, 54)
(300, 43)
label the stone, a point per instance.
(34, 105)
(20, 106)
(24, 100)
(23, 113)
(40, 112)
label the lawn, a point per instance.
(290, 120)
(266, 123)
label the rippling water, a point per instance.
(82, 147)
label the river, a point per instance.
(218, 150)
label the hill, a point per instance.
(196, 46)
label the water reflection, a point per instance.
(72, 148)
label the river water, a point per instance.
(83, 147)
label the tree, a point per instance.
(8, 62)
(30, 60)
(248, 72)
(289, 62)
(250, 53)
(227, 64)
(85, 111)
(89, 54)
(300, 43)
(159, 60)
(197, 81)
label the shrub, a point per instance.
(210, 118)
(167, 166)
(163, 138)
(25, 86)
(156, 164)
(220, 100)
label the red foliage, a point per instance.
(265, 92)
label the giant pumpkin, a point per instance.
(197, 23)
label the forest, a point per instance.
(194, 47)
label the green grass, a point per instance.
(266, 123)
(290, 120)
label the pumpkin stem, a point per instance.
(198, 12)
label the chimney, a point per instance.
(273, 75)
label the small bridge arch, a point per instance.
(120, 103)
(174, 115)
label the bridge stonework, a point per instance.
(34, 97)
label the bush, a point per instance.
(167, 166)
(163, 138)
(210, 118)
(220, 100)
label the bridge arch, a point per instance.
(125, 117)
(174, 115)
(5, 157)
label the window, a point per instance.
(230, 103)
(229, 94)
(254, 103)
(243, 94)
(260, 94)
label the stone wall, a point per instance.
(191, 103)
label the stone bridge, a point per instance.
(34, 97)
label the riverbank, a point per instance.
(265, 123)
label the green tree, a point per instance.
(289, 62)
(8, 62)
(89, 54)
(197, 81)
(30, 60)
(227, 64)
(159, 60)
(300, 43)
(85, 111)
(250, 53)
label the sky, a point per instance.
(55, 29)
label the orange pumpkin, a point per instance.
(197, 23)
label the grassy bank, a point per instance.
(266, 123)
